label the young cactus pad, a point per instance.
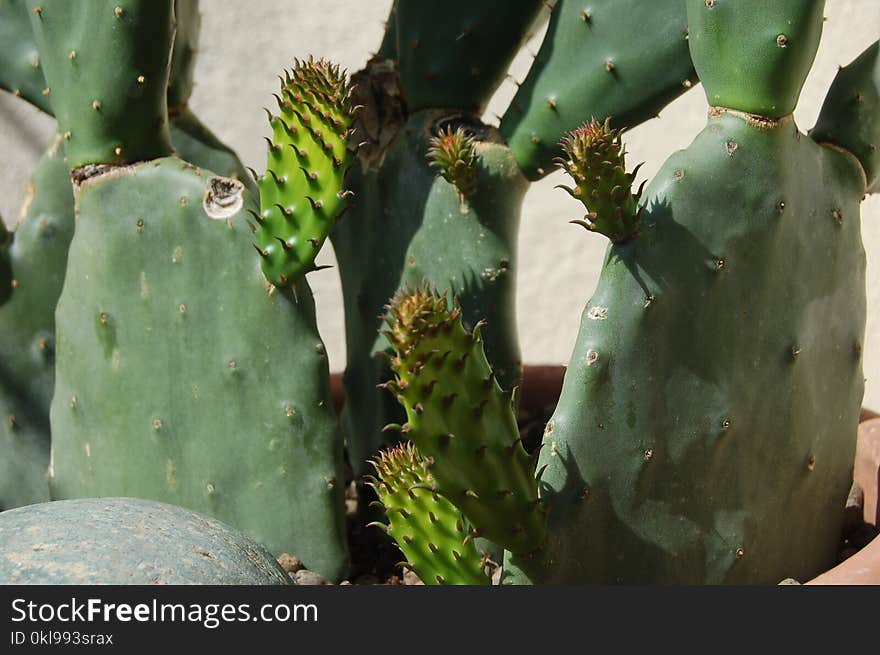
(460, 418)
(453, 155)
(429, 529)
(595, 159)
(301, 191)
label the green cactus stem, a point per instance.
(430, 531)
(850, 116)
(595, 159)
(454, 53)
(110, 111)
(707, 424)
(589, 64)
(409, 225)
(27, 330)
(754, 57)
(20, 70)
(181, 376)
(39, 258)
(302, 192)
(460, 418)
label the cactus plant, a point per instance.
(408, 223)
(431, 531)
(126, 541)
(459, 417)
(164, 359)
(39, 257)
(20, 71)
(706, 425)
(690, 444)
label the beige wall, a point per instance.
(245, 44)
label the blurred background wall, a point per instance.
(244, 46)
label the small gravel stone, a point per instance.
(410, 578)
(290, 563)
(306, 577)
(789, 581)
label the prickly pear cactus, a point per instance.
(465, 244)
(430, 531)
(452, 54)
(27, 324)
(38, 256)
(126, 541)
(707, 422)
(461, 419)
(20, 71)
(589, 66)
(418, 215)
(182, 376)
(849, 115)
(302, 192)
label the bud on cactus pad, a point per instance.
(454, 156)
(595, 158)
(429, 529)
(301, 192)
(461, 420)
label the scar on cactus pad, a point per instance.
(453, 154)
(430, 531)
(595, 159)
(461, 420)
(301, 193)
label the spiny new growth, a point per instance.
(301, 193)
(454, 156)
(595, 159)
(429, 529)
(461, 420)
